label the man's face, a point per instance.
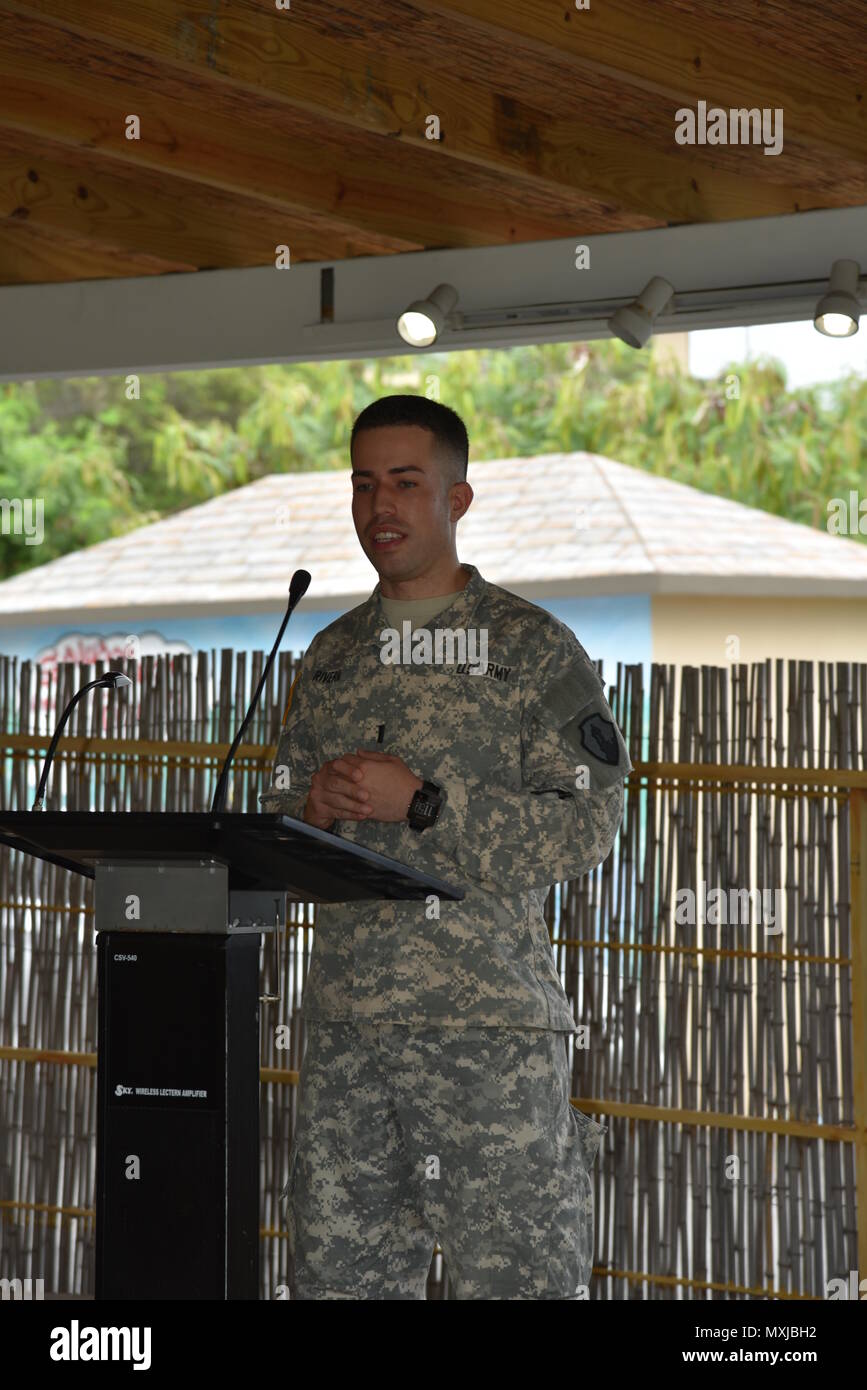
(402, 505)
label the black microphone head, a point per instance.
(112, 679)
(299, 586)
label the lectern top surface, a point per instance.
(262, 851)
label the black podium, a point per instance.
(180, 902)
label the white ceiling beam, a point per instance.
(725, 273)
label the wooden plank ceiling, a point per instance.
(306, 126)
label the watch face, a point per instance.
(424, 809)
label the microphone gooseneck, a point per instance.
(297, 589)
(111, 680)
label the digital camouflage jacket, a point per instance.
(532, 765)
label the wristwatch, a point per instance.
(425, 806)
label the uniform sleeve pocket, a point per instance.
(588, 1136)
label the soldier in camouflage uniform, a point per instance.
(434, 1089)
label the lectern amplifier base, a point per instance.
(178, 1162)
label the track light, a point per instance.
(837, 311)
(421, 323)
(633, 323)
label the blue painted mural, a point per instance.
(616, 628)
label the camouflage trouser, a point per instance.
(409, 1134)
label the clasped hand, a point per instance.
(364, 785)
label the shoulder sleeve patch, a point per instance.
(581, 728)
(595, 739)
(599, 737)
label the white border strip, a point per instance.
(724, 274)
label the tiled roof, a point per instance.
(557, 523)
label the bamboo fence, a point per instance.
(729, 1061)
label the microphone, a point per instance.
(110, 681)
(297, 589)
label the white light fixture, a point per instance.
(837, 311)
(633, 323)
(422, 322)
(731, 306)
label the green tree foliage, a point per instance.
(105, 464)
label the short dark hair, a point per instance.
(445, 425)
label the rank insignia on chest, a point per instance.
(323, 677)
